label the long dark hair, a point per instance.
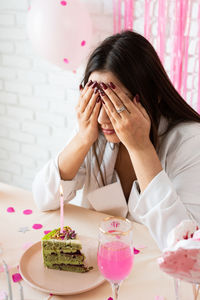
(133, 60)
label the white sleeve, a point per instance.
(173, 195)
(46, 186)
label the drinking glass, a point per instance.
(115, 251)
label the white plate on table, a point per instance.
(59, 282)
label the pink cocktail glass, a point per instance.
(115, 252)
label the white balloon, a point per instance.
(60, 31)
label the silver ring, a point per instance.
(121, 109)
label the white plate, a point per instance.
(60, 282)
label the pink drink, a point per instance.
(115, 260)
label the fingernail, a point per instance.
(137, 98)
(80, 87)
(96, 90)
(94, 84)
(103, 85)
(90, 83)
(102, 93)
(112, 85)
(98, 99)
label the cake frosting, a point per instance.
(181, 259)
(62, 251)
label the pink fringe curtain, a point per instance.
(180, 33)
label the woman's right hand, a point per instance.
(87, 110)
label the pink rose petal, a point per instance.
(27, 245)
(16, 277)
(83, 43)
(27, 211)
(66, 60)
(47, 231)
(37, 226)
(136, 251)
(64, 3)
(10, 209)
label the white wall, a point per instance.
(37, 99)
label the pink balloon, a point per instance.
(60, 31)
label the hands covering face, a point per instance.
(129, 118)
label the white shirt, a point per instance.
(172, 195)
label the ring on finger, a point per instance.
(121, 109)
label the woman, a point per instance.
(136, 150)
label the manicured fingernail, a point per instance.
(112, 85)
(95, 84)
(102, 93)
(137, 98)
(80, 87)
(90, 83)
(96, 90)
(103, 85)
(98, 99)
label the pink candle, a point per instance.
(61, 209)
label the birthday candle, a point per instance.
(61, 209)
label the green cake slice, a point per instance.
(62, 251)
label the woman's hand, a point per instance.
(87, 110)
(133, 124)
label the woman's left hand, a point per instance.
(133, 124)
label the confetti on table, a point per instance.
(110, 298)
(27, 212)
(159, 298)
(10, 209)
(16, 277)
(37, 226)
(136, 251)
(23, 229)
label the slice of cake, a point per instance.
(62, 251)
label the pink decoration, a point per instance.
(83, 43)
(27, 245)
(186, 14)
(37, 226)
(136, 251)
(64, 3)
(198, 102)
(47, 231)
(10, 210)
(27, 212)
(16, 277)
(61, 209)
(110, 298)
(115, 16)
(56, 31)
(159, 298)
(119, 16)
(161, 29)
(147, 20)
